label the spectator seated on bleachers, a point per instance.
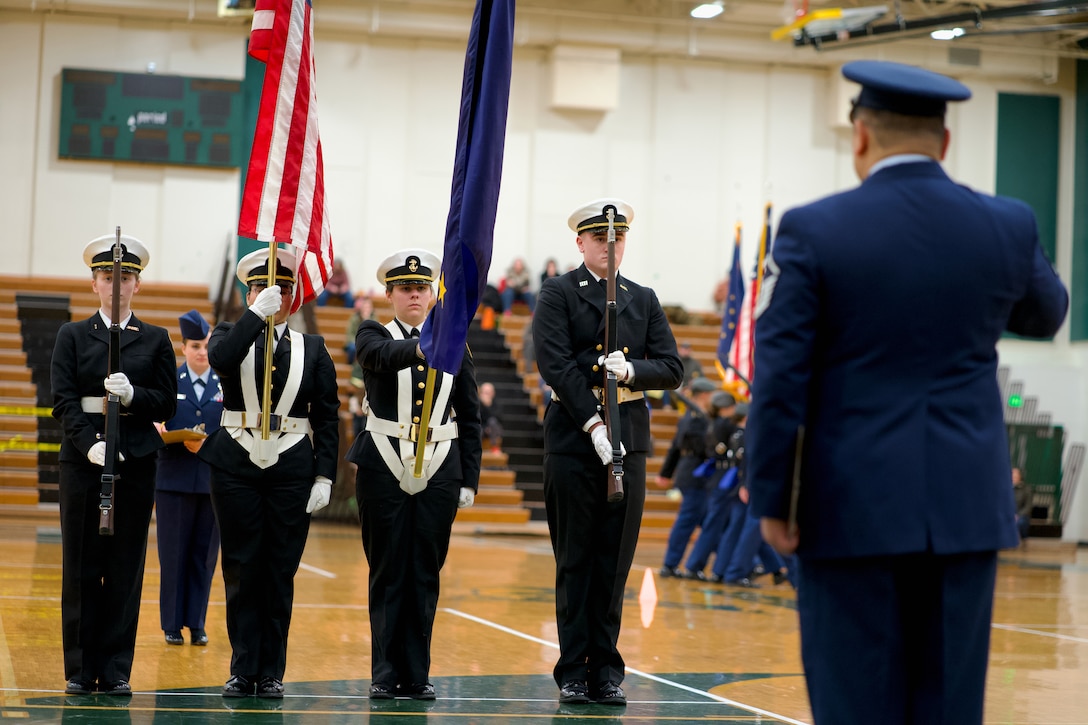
(515, 287)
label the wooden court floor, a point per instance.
(695, 652)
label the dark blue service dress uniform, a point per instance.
(103, 575)
(594, 540)
(880, 316)
(188, 537)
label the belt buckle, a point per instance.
(273, 421)
(413, 433)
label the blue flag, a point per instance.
(477, 171)
(734, 301)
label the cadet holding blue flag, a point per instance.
(406, 521)
(877, 334)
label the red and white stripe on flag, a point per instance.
(284, 197)
(741, 354)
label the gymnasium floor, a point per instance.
(695, 652)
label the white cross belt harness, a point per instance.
(410, 432)
(276, 423)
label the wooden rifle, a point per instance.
(113, 402)
(611, 395)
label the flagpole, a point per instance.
(269, 349)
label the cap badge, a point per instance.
(413, 264)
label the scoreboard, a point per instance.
(150, 118)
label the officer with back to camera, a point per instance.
(879, 321)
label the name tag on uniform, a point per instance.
(583, 283)
(181, 396)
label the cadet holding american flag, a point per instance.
(274, 458)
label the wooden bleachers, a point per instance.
(498, 500)
(158, 303)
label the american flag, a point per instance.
(742, 357)
(477, 173)
(284, 197)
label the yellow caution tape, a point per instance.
(26, 410)
(17, 445)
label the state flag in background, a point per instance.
(477, 172)
(284, 196)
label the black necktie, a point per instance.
(198, 386)
(415, 332)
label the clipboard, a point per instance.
(181, 435)
(795, 481)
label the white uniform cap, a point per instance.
(591, 217)
(254, 266)
(98, 254)
(409, 266)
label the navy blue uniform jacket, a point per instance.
(179, 470)
(878, 329)
(79, 365)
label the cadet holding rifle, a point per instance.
(103, 574)
(594, 538)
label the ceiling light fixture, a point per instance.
(708, 10)
(947, 33)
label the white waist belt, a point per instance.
(624, 395)
(410, 432)
(96, 405)
(276, 423)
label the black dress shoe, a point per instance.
(419, 691)
(694, 575)
(237, 686)
(715, 579)
(611, 694)
(574, 692)
(76, 686)
(270, 688)
(198, 637)
(117, 687)
(378, 691)
(670, 571)
(745, 582)
(174, 638)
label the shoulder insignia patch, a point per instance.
(766, 290)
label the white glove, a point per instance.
(603, 445)
(119, 385)
(465, 498)
(97, 454)
(617, 364)
(267, 302)
(320, 493)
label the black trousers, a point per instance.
(406, 539)
(188, 541)
(897, 640)
(263, 526)
(103, 575)
(594, 545)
